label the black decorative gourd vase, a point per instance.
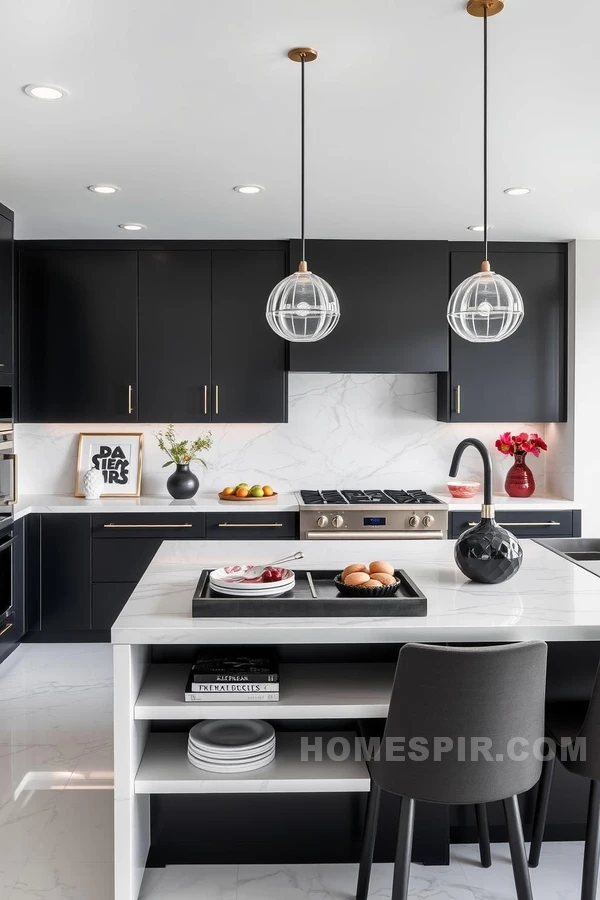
(486, 553)
(182, 484)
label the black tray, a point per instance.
(300, 602)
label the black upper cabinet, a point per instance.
(78, 329)
(6, 292)
(174, 335)
(393, 297)
(523, 378)
(249, 361)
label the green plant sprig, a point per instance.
(182, 453)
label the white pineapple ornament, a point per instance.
(93, 484)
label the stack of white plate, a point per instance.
(228, 746)
(229, 581)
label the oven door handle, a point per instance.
(7, 544)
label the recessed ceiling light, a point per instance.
(44, 92)
(132, 226)
(518, 191)
(479, 227)
(248, 188)
(103, 188)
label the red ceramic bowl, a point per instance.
(463, 490)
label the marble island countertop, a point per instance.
(206, 501)
(550, 598)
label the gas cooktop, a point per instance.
(367, 498)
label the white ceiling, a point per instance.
(176, 101)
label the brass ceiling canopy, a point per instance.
(478, 7)
(303, 54)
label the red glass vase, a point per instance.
(519, 478)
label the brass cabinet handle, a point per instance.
(458, 400)
(129, 400)
(216, 399)
(1, 365)
(6, 627)
(205, 399)
(250, 524)
(524, 524)
(115, 525)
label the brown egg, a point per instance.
(380, 565)
(356, 578)
(355, 567)
(371, 583)
(383, 578)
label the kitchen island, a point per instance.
(334, 672)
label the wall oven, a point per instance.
(8, 470)
(7, 543)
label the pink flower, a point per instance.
(520, 443)
(504, 444)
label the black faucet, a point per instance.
(487, 465)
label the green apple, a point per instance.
(257, 491)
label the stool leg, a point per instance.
(368, 845)
(404, 849)
(541, 811)
(592, 845)
(517, 848)
(483, 832)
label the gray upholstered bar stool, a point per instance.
(463, 694)
(574, 726)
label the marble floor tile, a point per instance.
(190, 883)
(64, 881)
(9, 873)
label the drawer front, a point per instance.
(117, 559)
(531, 524)
(107, 602)
(252, 526)
(170, 527)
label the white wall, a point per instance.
(376, 431)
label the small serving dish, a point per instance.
(355, 590)
(463, 490)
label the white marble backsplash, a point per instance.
(374, 431)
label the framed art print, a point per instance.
(118, 458)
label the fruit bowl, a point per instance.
(223, 496)
(355, 590)
(463, 490)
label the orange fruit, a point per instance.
(228, 491)
(268, 490)
(242, 492)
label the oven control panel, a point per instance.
(361, 524)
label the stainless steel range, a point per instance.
(360, 515)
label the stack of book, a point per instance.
(237, 678)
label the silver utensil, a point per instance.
(257, 571)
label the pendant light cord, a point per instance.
(485, 132)
(302, 153)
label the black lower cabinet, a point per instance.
(65, 575)
(107, 602)
(530, 524)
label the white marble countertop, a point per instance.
(209, 502)
(550, 598)
(202, 502)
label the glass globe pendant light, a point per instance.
(303, 307)
(486, 307)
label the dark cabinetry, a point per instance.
(78, 311)
(65, 574)
(260, 526)
(174, 335)
(150, 335)
(523, 378)
(6, 291)
(530, 524)
(12, 587)
(393, 298)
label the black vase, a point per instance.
(182, 484)
(488, 553)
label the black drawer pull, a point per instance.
(183, 525)
(525, 524)
(250, 524)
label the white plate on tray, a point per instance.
(226, 577)
(268, 590)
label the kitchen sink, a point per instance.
(583, 551)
